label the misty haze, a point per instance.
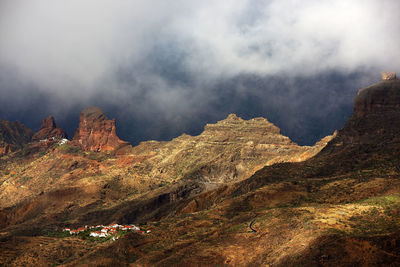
(199, 133)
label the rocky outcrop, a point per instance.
(367, 146)
(388, 75)
(378, 98)
(48, 130)
(96, 132)
(376, 118)
(13, 136)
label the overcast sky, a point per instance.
(169, 66)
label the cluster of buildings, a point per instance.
(105, 230)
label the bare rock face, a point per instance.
(49, 130)
(388, 75)
(13, 136)
(96, 132)
(376, 118)
(381, 97)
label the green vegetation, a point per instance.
(238, 228)
(237, 207)
(98, 156)
(373, 223)
(383, 201)
(25, 151)
(41, 154)
(25, 179)
(67, 148)
(384, 218)
(52, 233)
(163, 183)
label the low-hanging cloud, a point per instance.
(174, 59)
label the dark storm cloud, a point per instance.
(167, 67)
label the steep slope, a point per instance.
(13, 136)
(339, 208)
(369, 140)
(68, 186)
(229, 150)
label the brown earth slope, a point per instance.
(13, 136)
(66, 186)
(340, 208)
(96, 185)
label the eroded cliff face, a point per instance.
(378, 98)
(13, 136)
(49, 129)
(96, 132)
(375, 118)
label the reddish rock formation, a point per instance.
(96, 132)
(49, 130)
(13, 136)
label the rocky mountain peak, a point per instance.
(49, 129)
(229, 150)
(233, 117)
(48, 122)
(234, 127)
(93, 112)
(96, 132)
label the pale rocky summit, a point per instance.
(388, 75)
(229, 150)
(96, 132)
(48, 130)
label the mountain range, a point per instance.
(239, 193)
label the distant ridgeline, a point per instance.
(98, 133)
(95, 133)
